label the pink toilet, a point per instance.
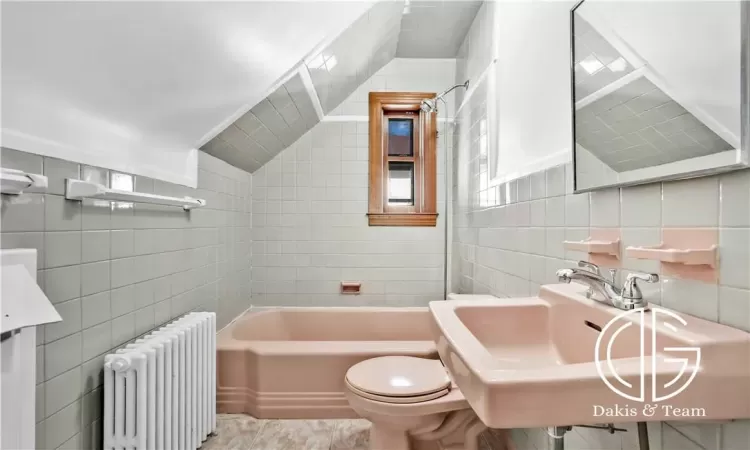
(412, 404)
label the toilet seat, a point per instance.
(397, 400)
(399, 379)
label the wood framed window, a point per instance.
(403, 168)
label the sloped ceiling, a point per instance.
(323, 80)
(435, 29)
(120, 77)
(365, 47)
(269, 127)
(639, 126)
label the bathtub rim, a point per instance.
(227, 341)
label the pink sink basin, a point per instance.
(533, 362)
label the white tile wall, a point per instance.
(310, 230)
(114, 274)
(691, 203)
(495, 250)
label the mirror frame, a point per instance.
(742, 160)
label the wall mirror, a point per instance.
(660, 90)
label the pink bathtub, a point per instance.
(290, 363)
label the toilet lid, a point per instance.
(396, 399)
(398, 376)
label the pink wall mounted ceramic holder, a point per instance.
(689, 256)
(602, 246)
(595, 246)
(686, 253)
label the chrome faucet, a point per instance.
(628, 298)
(595, 269)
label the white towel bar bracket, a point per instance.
(78, 190)
(14, 182)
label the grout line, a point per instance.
(258, 434)
(333, 433)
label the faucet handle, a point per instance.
(613, 275)
(597, 270)
(631, 290)
(647, 277)
(590, 266)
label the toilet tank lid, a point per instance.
(453, 296)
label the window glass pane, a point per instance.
(401, 183)
(400, 137)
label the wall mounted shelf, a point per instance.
(689, 256)
(687, 253)
(78, 190)
(14, 182)
(595, 246)
(602, 246)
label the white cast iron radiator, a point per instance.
(160, 391)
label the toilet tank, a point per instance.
(454, 296)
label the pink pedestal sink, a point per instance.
(532, 362)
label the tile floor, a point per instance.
(241, 432)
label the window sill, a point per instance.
(402, 219)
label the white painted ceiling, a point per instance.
(112, 79)
(435, 29)
(139, 86)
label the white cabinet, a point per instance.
(23, 307)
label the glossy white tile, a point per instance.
(555, 212)
(734, 254)
(605, 208)
(734, 307)
(691, 203)
(577, 210)
(692, 297)
(537, 185)
(554, 246)
(538, 212)
(641, 206)
(555, 180)
(735, 199)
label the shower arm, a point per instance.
(430, 104)
(445, 92)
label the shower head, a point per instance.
(430, 105)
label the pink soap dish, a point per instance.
(595, 246)
(350, 287)
(688, 256)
